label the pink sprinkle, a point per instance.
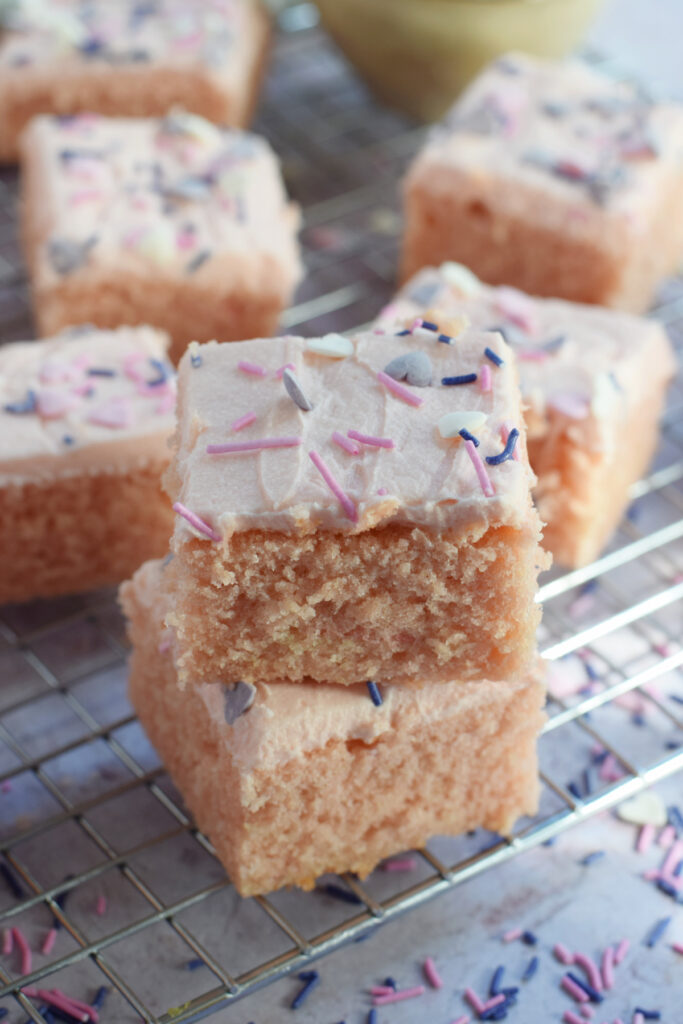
(673, 881)
(474, 1001)
(132, 238)
(479, 468)
(85, 195)
(243, 421)
(167, 403)
(504, 434)
(651, 875)
(462, 1020)
(672, 858)
(344, 443)
(345, 501)
(495, 1001)
(49, 942)
(678, 947)
(571, 1018)
(485, 378)
(376, 442)
(61, 1002)
(400, 864)
(621, 951)
(431, 973)
(195, 521)
(532, 355)
(645, 837)
(253, 446)
(164, 646)
(398, 997)
(186, 240)
(588, 965)
(7, 942)
(512, 935)
(381, 990)
(610, 770)
(569, 404)
(53, 404)
(562, 954)
(287, 366)
(638, 1018)
(101, 905)
(517, 307)
(572, 989)
(398, 389)
(608, 968)
(24, 949)
(130, 366)
(587, 1011)
(77, 1004)
(382, 491)
(246, 367)
(666, 837)
(116, 413)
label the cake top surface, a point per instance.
(337, 437)
(62, 34)
(582, 361)
(175, 194)
(564, 127)
(84, 398)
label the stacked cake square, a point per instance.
(338, 660)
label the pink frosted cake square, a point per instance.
(333, 524)
(171, 222)
(554, 178)
(84, 424)
(594, 384)
(129, 58)
(262, 768)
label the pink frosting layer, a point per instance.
(97, 401)
(424, 478)
(588, 363)
(172, 196)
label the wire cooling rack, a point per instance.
(94, 835)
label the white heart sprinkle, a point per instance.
(336, 346)
(238, 699)
(452, 423)
(645, 809)
(461, 277)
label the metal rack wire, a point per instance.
(86, 810)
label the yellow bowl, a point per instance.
(418, 54)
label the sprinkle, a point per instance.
(620, 952)
(493, 356)
(100, 997)
(253, 368)
(100, 371)
(398, 389)
(381, 990)
(52, 404)
(479, 468)
(431, 973)
(462, 378)
(591, 991)
(400, 864)
(574, 990)
(195, 358)
(645, 837)
(413, 367)
(194, 965)
(24, 949)
(666, 836)
(25, 405)
(400, 996)
(101, 906)
(647, 808)
(116, 413)
(512, 935)
(335, 346)
(496, 981)
(196, 522)
(235, 447)
(591, 858)
(587, 1011)
(608, 968)
(485, 378)
(466, 436)
(452, 424)
(238, 698)
(370, 439)
(311, 979)
(61, 1002)
(677, 947)
(517, 307)
(648, 1014)
(345, 443)
(13, 883)
(675, 818)
(665, 886)
(531, 969)
(295, 391)
(243, 421)
(372, 1017)
(508, 450)
(281, 370)
(529, 939)
(562, 954)
(571, 1018)
(85, 1008)
(7, 941)
(460, 1020)
(375, 695)
(391, 983)
(66, 256)
(657, 931)
(673, 857)
(49, 942)
(344, 500)
(585, 962)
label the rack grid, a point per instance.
(86, 810)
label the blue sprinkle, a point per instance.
(91, 47)
(193, 965)
(648, 1014)
(26, 405)
(390, 983)
(495, 460)
(667, 887)
(591, 672)
(402, 334)
(529, 938)
(445, 338)
(375, 695)
(3, 1012)
(573, 788)
(102, 993)
(531, 969)
(162, 371)
(678, 870)
(493, 356)
(675, 818)
(550, 842)
(637, 718)
(587, 784)
(463, 378)
(195, 359)
(601, 757)
(555, 343)
(311, 979)
(345, 895)
(429, 326)
(373, 1017)
(592, 993)
(657, 932)
(100, 371)
(675, 697)
(672, 745)
(591, 858)
(494, 987)
(589, 587)
(466, 436)
(68, 439)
